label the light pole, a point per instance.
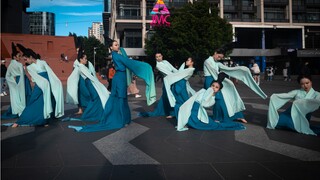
(94, 57)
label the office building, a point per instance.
(97, 31)
(42, 23)
(267, 30)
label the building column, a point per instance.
(144, 27)
(290, 12)
(221, 9)
(262, 11)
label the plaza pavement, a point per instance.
(150, 148)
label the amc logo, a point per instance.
(160, 20)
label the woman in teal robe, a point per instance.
(117, 112)
(163, 107)
(84, 88)
(47, 95)
(19, 86)
(178, 87)
(193, 113)
(228, 106)
(297, 116)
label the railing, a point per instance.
(129, 17)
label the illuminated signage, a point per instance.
(160, 13)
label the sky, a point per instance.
(73, 16)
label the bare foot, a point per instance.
(169, 117)
(79, 112)
(242, 120)
(15, 125)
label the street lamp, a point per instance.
(94, 57)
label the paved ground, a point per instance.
(151, 148)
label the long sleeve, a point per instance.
(165, 67)
(17, 90)
(276, 102)
(72, 86)
(142, 70)
(57, 90)
(173, 78)
(243, 74)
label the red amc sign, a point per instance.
(160, 20)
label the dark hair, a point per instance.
(221, 77)
(110, 43)
(14, 50)
(30, 53)
(304, 76)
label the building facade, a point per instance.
(271, 31)
(14, 17)
(97, 31)
(42, 23)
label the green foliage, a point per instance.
(193, 32)
(88, 45)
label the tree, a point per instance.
(88, 45)
(196, 30)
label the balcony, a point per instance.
(276, 2)
(228, 8)
(298, 8)
(275, 20)
(129, 17)
(313, 3)
(244, 19)
(249, 9)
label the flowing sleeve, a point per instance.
(166, 68)
(57, 91)
(17, 90)
(212, 68)
(207, 100)
(144, 71)
(92, 70)
(300, 108)
(128, 72)
(173, 78)
(44, 85)
(276, 102)
(185, 111)
(243, 74)
(72, 86)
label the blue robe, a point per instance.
(229, 105)
(297, 116)
(117, 112)
(163, 107)
(36, 103)
(193, 114)
(84, 89)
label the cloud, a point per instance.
(83, 14)
(65, 3)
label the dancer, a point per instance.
(116, 112)
(193, 113)
(163, 107)
(178, 87)
(298, 115)
(84, 88)
(47, 94)
(19, 86)
(229, 105)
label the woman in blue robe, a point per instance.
(178, 87)
(45, 101)
(19, 86)
(163, 107)
(84, 88)
(297, 116)
(193, 114)
(117, 112)
(228, 106)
